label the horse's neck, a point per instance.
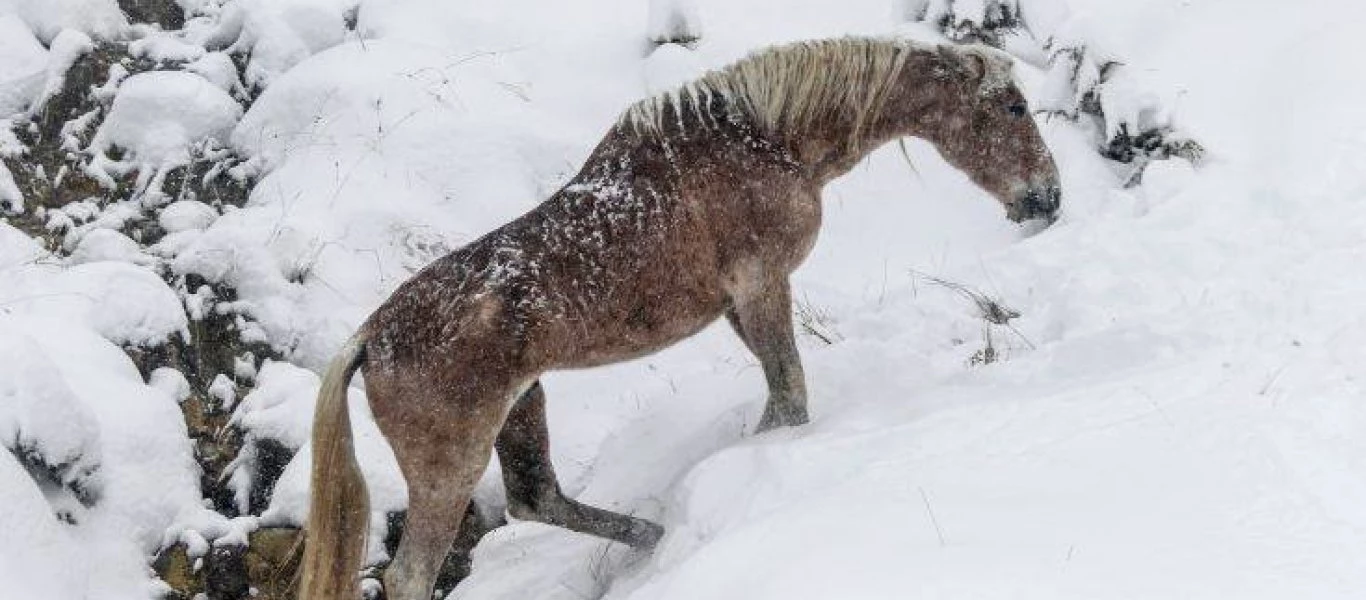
(836, 145)
(836, 148)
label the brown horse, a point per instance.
(698, 203)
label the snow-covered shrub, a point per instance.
(983, 21)
(44, 424)
(1083, 83)
(47, 18)
(674, 22)
(1132, 126)
(23, 61)
(157, 118)
(275, 35)
(40, 558)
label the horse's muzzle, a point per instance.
(1037, 203)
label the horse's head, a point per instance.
(982, 125)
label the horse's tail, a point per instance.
(338, 512)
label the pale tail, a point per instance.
(334, 546)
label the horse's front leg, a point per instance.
(762, 316)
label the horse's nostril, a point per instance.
(1038, 203)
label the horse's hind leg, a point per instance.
(534, 493)
(763, 320)
(442, 446)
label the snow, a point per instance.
(217, 67)
(39, 413)
(124, 303)
(278, 34)
(40, 557)
(186, 215)
(22, 61)
(148, 476)
(160, 47)
(156, 116)
(171, 382)
(21, 53)
(48, 18)
(673, 20)
(16, 248)
(10, 193)
(223, 390)
(63, 51)
(108, 245)
(1176, 412)
(670, 66)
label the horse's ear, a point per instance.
(976, 67)
(968, 64)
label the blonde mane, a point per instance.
(787, 88)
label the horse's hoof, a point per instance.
(645, 535)
(770, 422)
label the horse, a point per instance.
(697, 203)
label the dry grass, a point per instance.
(814, 321)
(993, 312)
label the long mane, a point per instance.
(786, 88)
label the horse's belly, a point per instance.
(641, 331)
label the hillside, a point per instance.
(201, 200)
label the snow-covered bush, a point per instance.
(44, 424)
(156, 120)
(47, 18)
(40, 557)
(275, 35)
(983, 21)
(1130, 124)
(23, 62)
(674, 22)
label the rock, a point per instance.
(272, 562)
(265, 569)
(165, 13)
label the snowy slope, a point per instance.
(1176, 413)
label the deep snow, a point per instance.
(1177, 412)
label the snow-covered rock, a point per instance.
(77, 394)
(47, 18)
(124, 303)
(107, 244)
(40, 557)
(23, 60)
(16, 248)
(186, 215)
(67, 47)
(218, 68)
(161, 47)
(157, 116)
(42, 418)
(278, 34)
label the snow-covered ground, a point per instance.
(1177, 413)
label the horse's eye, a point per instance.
(1017, 110)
